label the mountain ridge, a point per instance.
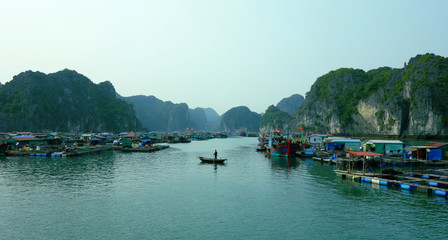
(401, 102)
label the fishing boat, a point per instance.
(261, 148)
(282, 145)
(262, 142)
(286, 149)
(212, 160)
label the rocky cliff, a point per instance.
(240, 118)
(158, 115)
(62, 101)
(406, 102)
(291, 104)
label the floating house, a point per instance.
(27, 141)
(125, 142)
(317, 138)
(53, 140)
(344, 144)
(431, 151)
(441, 149)
(388, 147)
(98, 140)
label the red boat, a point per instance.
(285, 149)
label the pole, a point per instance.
(363, 165)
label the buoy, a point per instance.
(364, 179)
(433, 184)
(407, 186)
(383, 182)
(441, 193)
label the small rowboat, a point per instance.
(212, 160)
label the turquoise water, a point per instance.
(171, 195)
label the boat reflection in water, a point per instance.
(283, 162)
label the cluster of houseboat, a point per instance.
(73, 144)
(326, 146)
(384, 162)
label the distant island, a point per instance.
(404, 102)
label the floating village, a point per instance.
(387, 163)
(75, 144)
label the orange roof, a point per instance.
(366, 154)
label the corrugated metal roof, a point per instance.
(26, 139)
(422, 147)
(346, 140)
(367, 154)
(387, 141)
(436, 144)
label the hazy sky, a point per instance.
(218, 54)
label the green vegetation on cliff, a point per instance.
(396, 96)
(274, 117)
(240, 118)
(344, 87)
(291, 104)
(62, 101)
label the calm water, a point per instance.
(171, 195)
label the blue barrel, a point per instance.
(441, 193)
(407, 186)
(433, 184)
(363, 179)
(383, 182)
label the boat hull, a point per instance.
(284, 149)
(212, 160)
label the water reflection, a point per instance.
(60, 172)
(215, 165)
(284, 162)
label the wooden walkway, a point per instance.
(420, 181)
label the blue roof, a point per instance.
(346, 140)
(146, 140)
(94, 139)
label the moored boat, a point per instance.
(212, 160)
(261, 148)
(286, 149)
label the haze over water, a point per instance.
(171, 195)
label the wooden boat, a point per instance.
(212, 160)
(285, 149)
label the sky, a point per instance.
(219, 54)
